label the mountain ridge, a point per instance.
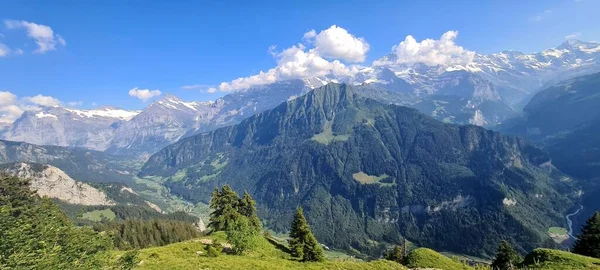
(365, 171)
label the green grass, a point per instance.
(557, 230)
(99, 215)
(542, 258)
(326, 137)
(190, 255)
(427, 258)
(151, 189)
(364, 178)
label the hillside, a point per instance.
(79, 163)
(191, 255)
(368, 173)
(560, 109)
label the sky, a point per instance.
(86, 54)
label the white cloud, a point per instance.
(42, 100)
(299, 61)
(336, 43)
(11, 107)
(573, 35)
(143, 94)
(43, 35)
(10, 113)
(310, 34)
(540, 16)
(431, 52)
(7, 98)
(4, 50)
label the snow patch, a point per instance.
(46, 115)
(109, 113)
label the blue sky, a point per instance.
(110, 47)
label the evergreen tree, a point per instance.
(224, 204)
(35, 234)
(588, 242)
(506, 257)
(303, 243)
(396, 254)
(247, 208)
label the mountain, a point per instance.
(486, 92)
(92, 129)
(79, 163)
(52, 182)
(560, 109)
(161, 123)
(368, 172)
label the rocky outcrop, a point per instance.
(52, 182)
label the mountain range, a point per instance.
(486, 92)
(368, 173)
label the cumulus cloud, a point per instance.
(431, 52)
(328, 49)
(143, 94)
(11, 107)
(7, 98)
(46, 101)
(43, 35)
(336, 43)
(573, 35)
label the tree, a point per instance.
(396, 254)
(247, 208)
(225, 205)
(35, 234)
(506, 257)
(588, 242)
(242, 235)
(303, 243)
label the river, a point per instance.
(570, 222)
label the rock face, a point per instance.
(161, 123)
(52, 182)
(364, 170)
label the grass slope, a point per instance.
(99, 215)
(542, 258)
(191, 255)
(427, 258)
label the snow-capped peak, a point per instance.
(109, 112)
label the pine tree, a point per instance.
(588, 242)
(396, 254)
(506, 257)
(247, 208)
(303, 243)
(225, 205)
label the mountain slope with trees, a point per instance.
(367, 174)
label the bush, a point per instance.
(242, 235)
(212, 251)
(129, 260)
